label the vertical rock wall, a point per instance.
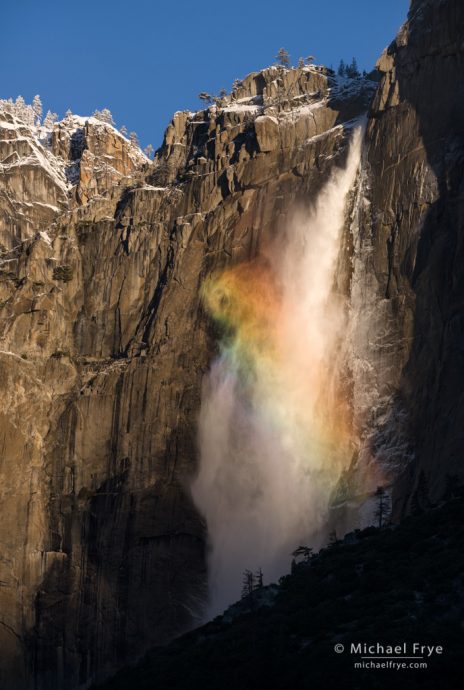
(406, 335)
(103, 347)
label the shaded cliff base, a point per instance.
(393, 586)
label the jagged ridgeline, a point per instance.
(105, 339)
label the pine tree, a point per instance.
(20, 107)
(8, 105)
(301, 62)
(68, 114)
(237, 84)
(37, 107)
(341, 69)
(283, 57)
(123, 131)
(304, 551)
(247, 583)
(310, 59)
(148, 150)
(222, 93)
(50, 119)
(106, 116)
(258, 579)
(23, 111)
(134, 140)
(382, 511)
(351, 70)
(204, 96)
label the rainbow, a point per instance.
(275, 432)
(285, 381)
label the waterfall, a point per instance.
(272, 448)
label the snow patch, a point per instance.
(46, 237)
(151, 188)
(242, 108)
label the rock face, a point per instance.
(47, 171)
(407, 290)
(103, 348)
(103, 341)
(34, 187)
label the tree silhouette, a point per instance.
(382, 511)
(304, 551)
(351, 70)
(248, 582)
(206, 97)
(258, 579)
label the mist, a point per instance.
(272, 433)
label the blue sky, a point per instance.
(146, 59)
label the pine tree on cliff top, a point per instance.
(283, 57)
(37, 107)
(134, 140)
(104, 116)
(50, 119)
(351, 70)
(206, 97)
(148, 150)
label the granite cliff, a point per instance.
(406, 288)
(104, 343)
(103, 349)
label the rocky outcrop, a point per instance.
(33, 184)
(97, 156)
(46, 171)
(103, 348)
